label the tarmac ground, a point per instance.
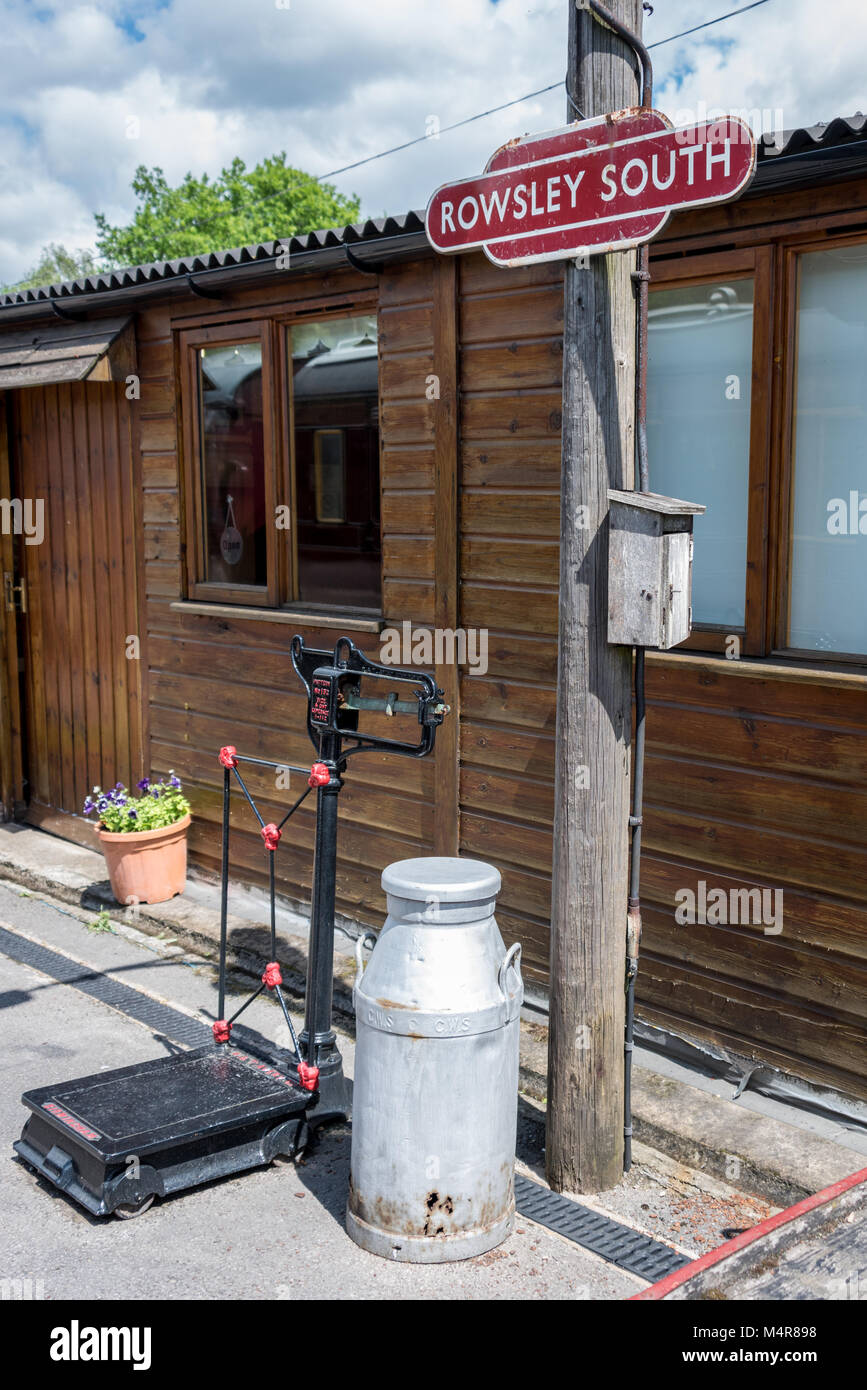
(275, 1232)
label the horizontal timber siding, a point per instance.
(511, 369)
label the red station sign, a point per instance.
(601, 185)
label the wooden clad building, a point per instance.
(350, 434)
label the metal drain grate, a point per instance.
(163, 1019)
(621, 1245)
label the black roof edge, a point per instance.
(379, 242)
(800, 168)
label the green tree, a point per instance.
(241, 206)
(56, 263)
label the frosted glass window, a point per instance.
(699, 373)
(828, 596)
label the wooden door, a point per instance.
(12, 599)
(82, 638)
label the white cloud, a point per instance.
(332, 83)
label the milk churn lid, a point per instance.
(447, 879)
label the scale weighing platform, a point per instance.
(116, 1140)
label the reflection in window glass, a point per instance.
(329, 475)
(699, 373)
(233, 465)
(828, 598)
(335, 408)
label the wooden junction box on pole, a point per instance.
(649, 569)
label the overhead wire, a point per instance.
(420, 139)
(479, 116)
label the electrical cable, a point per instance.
(419, 139)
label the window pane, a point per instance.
(335, 404)
(828, 602)
(233, 464)
(699, 374)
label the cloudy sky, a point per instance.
(90, 90)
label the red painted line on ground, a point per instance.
(730, 1247)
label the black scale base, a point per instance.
(118, 1139)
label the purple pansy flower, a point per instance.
(143, 784)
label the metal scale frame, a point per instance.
(118, 1139)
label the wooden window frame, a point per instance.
(190, 343)
(756, 263)
(272, 327)
(790, 253)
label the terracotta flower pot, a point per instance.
(146, 866)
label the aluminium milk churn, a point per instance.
(436, 1068)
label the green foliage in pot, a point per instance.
(159, 805)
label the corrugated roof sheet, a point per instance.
(373, 229)
(808, 139)
(805, 141)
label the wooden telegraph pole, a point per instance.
(591, 821)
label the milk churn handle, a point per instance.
(512, 957)
(360, 943)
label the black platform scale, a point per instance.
(117, 1138)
